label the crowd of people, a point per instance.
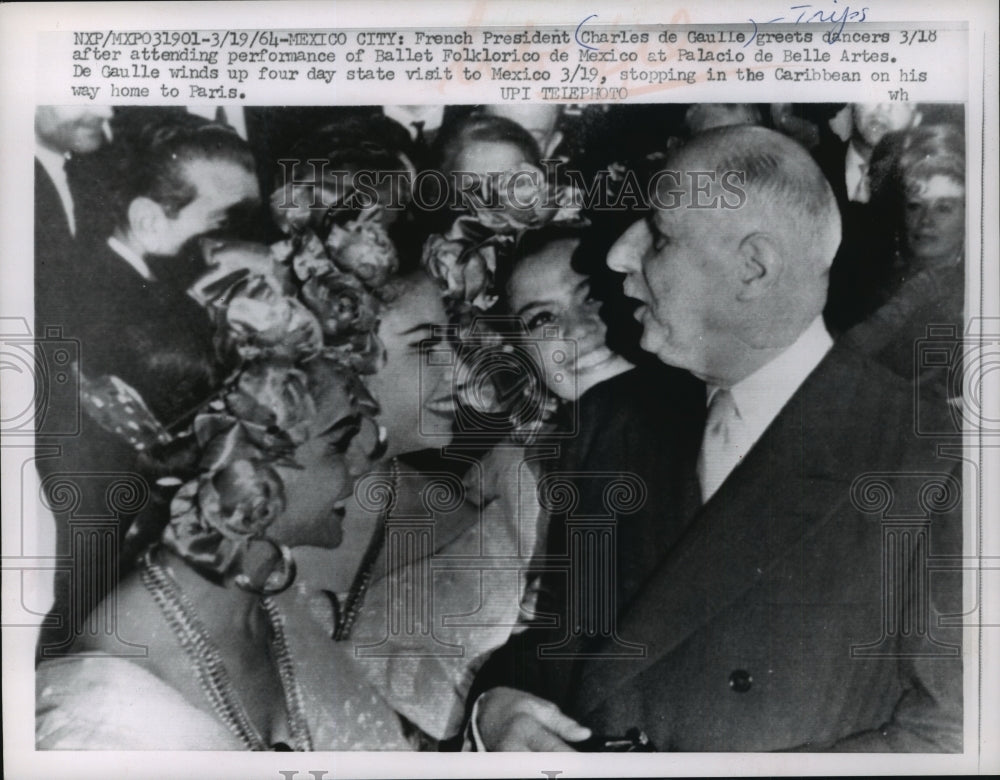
(500, 428)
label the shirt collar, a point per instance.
(855, 168)
(762, 395)
(131, 257)
(51, 160)
(54, 164)
(431, 116)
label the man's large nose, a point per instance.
(624, 255)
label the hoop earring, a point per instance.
(277, 581)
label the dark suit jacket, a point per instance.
(112, 300)
(764, 626)
(53, 252)
(859, 271)
(57, 251)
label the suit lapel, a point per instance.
(49, 212)
(786, 488)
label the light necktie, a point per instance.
(419, 138)
(720, 447)
(68, 199)
(861, 192)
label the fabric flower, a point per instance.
(243, 498)
(298, 205)
(306, 254)
(213, 518)
(273, 395)
(522, 200)
(466, 273)
(361, 352)
(514, 201)
(341, 304)
(363, 248)
(260, 321)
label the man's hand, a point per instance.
(509, 719)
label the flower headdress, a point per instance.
(471, 258)
(472, 262)
(300, 317)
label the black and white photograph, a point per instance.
(612, 423)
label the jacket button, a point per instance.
(740, 681)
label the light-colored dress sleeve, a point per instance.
(94, 701)
(428, 625)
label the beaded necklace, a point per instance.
(356, 595)
(194, 638)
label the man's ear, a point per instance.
(760, 266)
(146, 220)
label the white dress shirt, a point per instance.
(760, 397)
(856, 176)
(430, 116)
(235, 116)
(54, 164)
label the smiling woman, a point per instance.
(415, 387)
(554, 302)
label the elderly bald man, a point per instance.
(783, 617)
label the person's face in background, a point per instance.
(486, 157)
(873, 120)
(934, 217)
(221, 186)
(539, 119)
(415, 389)
(563, 320)
(77, 129)
(172, 244)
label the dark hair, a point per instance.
(531, 242)
(152, 156)
(356, 143)
(477, 128)
(373, 143)
(175, 368)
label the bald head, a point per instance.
(732, 265)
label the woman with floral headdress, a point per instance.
(213, 648)
(411, 331)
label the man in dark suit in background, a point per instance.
(69, 198)
(773, 621)
(175, 181)
(857, 270)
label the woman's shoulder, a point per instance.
(96, 701)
